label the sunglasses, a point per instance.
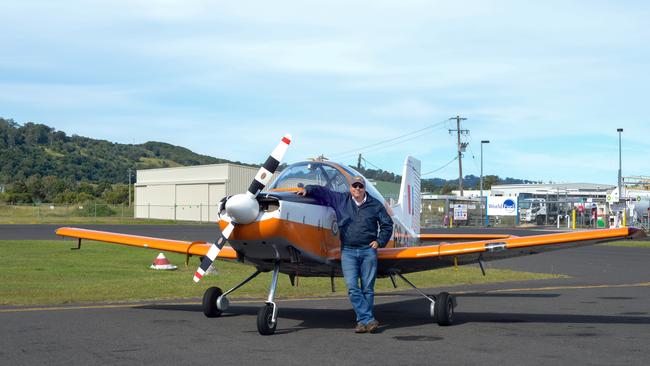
(357, 185)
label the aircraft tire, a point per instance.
(265, 325)
(444, 309)
(210, 297)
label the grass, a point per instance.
(630, 243)
(48, 272)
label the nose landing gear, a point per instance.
(215, 302)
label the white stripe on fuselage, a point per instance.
(324, 217)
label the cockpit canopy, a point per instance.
(330, 175)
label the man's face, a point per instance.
(358, 191)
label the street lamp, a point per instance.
(483, 142)
(620, 175)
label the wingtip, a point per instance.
(636, 233)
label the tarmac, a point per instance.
(598, 316)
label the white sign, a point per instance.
(502, 206)
(460, 212)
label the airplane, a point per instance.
(275, 230)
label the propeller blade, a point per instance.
(213, 252)
(262, 178)
(265, 173)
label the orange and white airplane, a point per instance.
(277, 230)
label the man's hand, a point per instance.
(374, 244)
(301, 192)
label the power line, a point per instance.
(473, 156)
(442, 167)
(377, 148)
(379, 145)
(366, 161)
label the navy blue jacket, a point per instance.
(358, 225)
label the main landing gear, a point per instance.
(442, 305)
(215, 302)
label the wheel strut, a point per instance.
(267, 316)
(442, 306)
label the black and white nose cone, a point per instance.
(242, 208)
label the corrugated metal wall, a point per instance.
(239, 178)
(188, 193)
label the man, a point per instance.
(364, 226)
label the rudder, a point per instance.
(409, 202)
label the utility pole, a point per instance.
(359, 163)
(461, 148)
(129, 187)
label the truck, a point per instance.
(535, 210)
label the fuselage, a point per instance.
(300, 231)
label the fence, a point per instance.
(49, 212)
(557, 212)
(440, 213)
(435, 213)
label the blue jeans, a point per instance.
(360, 264)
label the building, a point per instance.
(188, 193)
(570, 191)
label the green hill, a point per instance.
(39, 163)
(39, 149)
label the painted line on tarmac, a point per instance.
(552, 288)
(135, 305)
(132, 305)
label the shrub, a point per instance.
(96, 209)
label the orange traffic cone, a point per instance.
(161, 262)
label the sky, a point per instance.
(547, 83)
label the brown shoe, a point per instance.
(360, 328)
(372, 326)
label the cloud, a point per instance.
(547, 83)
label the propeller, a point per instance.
(243, 208)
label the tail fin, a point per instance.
(409, 202)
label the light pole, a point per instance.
(483, 142)
(620, 175)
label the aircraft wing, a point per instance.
(460, 237)
(199, 248)
(420, 258)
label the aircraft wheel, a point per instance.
(444, 309)
(210, 297)
(265, 324)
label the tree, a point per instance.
(118, 194)
(447, 188)
(489, 181)
(34, 188)
(51, 186)
(36, 134)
